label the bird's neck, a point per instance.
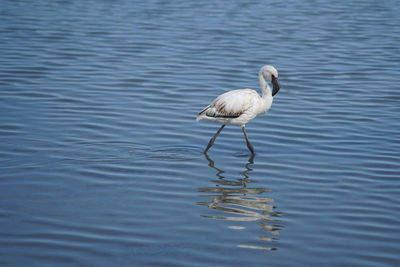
(266, 90)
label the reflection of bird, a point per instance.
(241, 106)
(237, 201)
(233, 196)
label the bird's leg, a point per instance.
(247, 140)
(213, 138)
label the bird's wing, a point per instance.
(231, 104)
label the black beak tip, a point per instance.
(276, 85)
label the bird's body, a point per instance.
(241, 106)
(236, 107)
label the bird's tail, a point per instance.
(201, 113)
(199, 117)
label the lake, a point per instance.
(101, 158)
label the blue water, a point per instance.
(101, 159)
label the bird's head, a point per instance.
(270, 73)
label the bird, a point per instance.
(240, 106)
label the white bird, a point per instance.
(241, 106)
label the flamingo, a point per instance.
(240, 106)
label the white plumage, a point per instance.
(241, 106)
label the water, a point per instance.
(101, 159)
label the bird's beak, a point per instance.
(276, 85)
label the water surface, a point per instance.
(101, 158)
